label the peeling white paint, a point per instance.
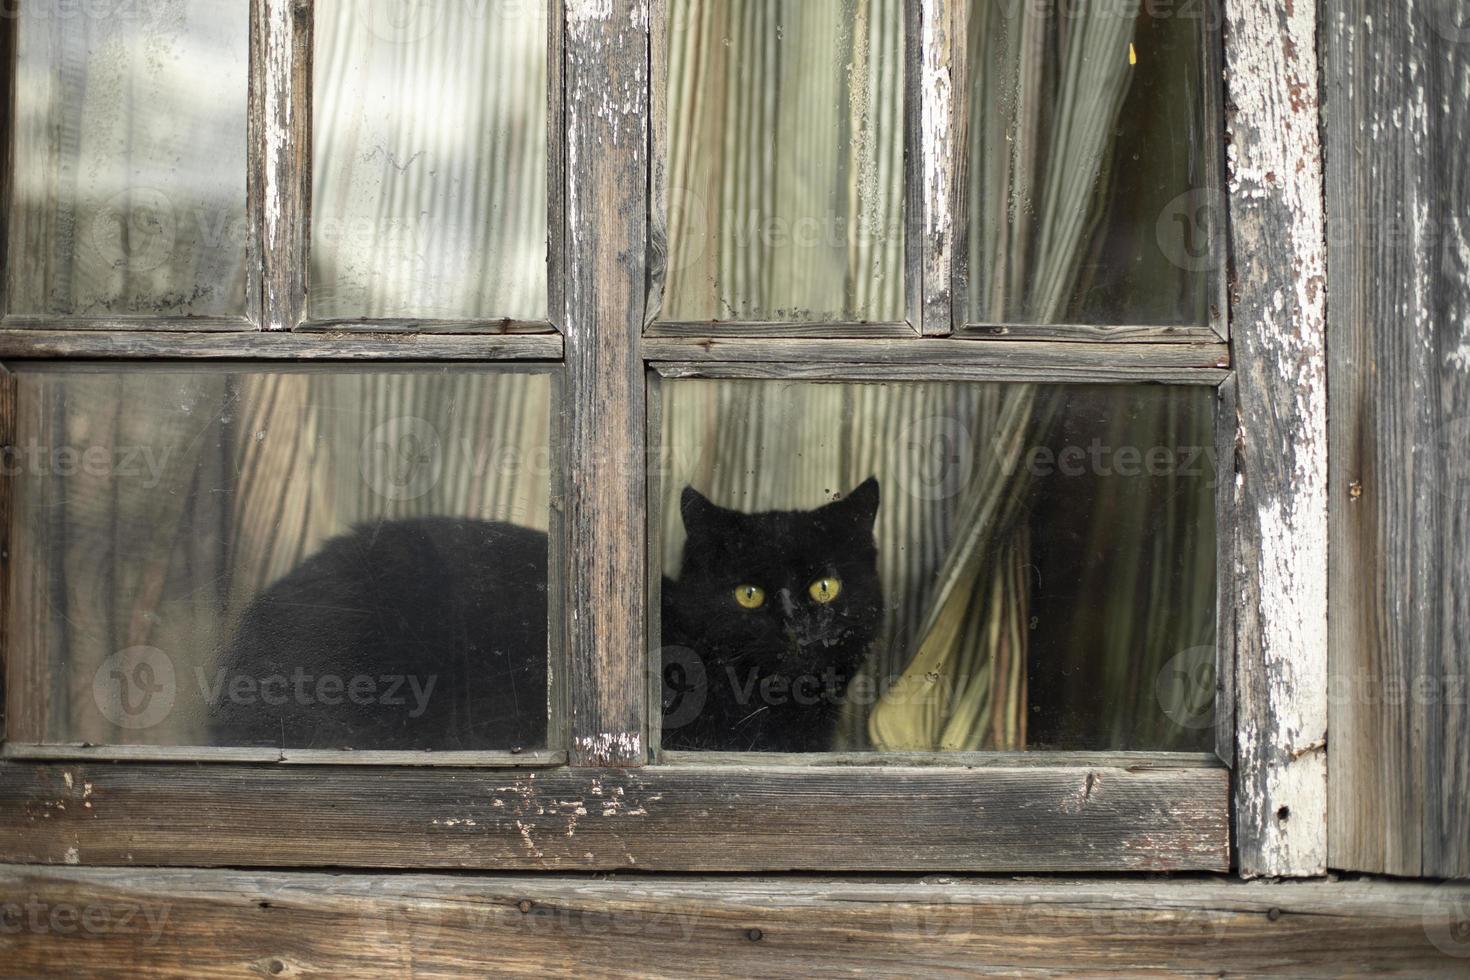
(936, 95)
(278, 118)
(72, 856)
(609, 747)
(1276, 186)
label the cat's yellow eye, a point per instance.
(750, 596)
(824, 590)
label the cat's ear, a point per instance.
(700, 515)
(861, 506)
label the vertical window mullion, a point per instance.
(280, 161)
(607, 178)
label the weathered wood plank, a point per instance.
(9, 28)
(105, 324)
(85, 922)
(279, 179)
(607, 209)
(941, 34)
(656, 818)
(369, 325)
(7, 469)
(834, 371)
(52, 752)
(1398, 134)
(1112, 334)
(1278, 327)
(939, 351)
(258, 345)
(1132, 761)
(556, 160)
(751, 328)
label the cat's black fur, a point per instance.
(774, 678)
(441, 625)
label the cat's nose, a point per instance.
(788, 604)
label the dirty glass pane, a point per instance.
(785, 169)
(299, 558)
(130, 138)
(1089, 164)
(937, 566)
(429, 169)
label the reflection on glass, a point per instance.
(130, 137)
(785, 160)
(318, 559)
(429, 179)
(937, 566)
(1088, 178)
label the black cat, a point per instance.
(431, 634)
(439, 623)
(771, 617)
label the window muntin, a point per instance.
(129, 188)
(430, 161)
(1041, 572)
(322, 559)
(785, 172)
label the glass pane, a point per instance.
(429, 172)
(1089, 164)
(785, 160)
(933, 567)
(317, 558)
(130, 139)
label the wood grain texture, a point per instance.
(748, 328)
(279, 181)
(1397, 119)
(877, 371)
(369, 325)
(556, 161)
(1112, 334)
(52, 752)
(202, 924)
(653, 818)
(607, 207)
(941, 40)
(275, 346)
(1278, 328)
(105, 324)
(7, 448)
(939, 352)
(9, 27)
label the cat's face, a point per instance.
(786, 591)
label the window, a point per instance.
(866, 352)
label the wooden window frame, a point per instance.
(607, 808)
